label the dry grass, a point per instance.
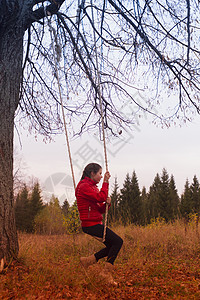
(161, 240)
(160, 261)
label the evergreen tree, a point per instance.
(36, 204)
(112, 213)
(144, 200)
(195, 194)
(65, 207)
(124, 201)
(22, 210)
(174, 200)
(164, 197)
(153, 209)
(130, 205)
(136, 201)
(186, 200)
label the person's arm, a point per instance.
(94, 194)
(102, 206)
(106, 177)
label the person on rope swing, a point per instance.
(91, 204)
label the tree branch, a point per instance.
(40, 13)
(188, 30)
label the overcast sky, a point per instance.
(147, 149)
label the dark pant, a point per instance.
(113, 242)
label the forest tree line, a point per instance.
(32, 215)
(132, 205)
(129, 205)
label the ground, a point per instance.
(154, 263)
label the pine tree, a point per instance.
(130, 205)
(65, 207)
(164, 197)
(136, 202)
(124, 201)
(22, 210)
(186, 200)
(174, 200)
(113, 213)
(153, 209)
(195, 193)
(36, 204)
(144, 200)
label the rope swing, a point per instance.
(54, 41)
(101, 112)
(56, 62)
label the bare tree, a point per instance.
(103, 48)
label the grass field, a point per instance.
(159, 261)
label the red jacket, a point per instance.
(91, 202)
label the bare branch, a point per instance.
(188, 29)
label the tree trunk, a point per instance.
(11, 53)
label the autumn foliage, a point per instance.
(158, 261)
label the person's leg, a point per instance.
(112, 242)
(96, 231)
(113, 245)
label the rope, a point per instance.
(102, 122)
(54, 39)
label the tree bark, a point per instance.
(11, 54)
(15, 18)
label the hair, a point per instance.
(92, 167)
